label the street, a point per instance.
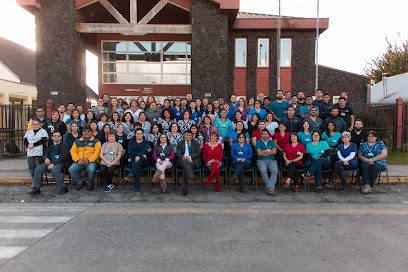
(203, 237)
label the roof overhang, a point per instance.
(286, 24)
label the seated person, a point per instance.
(85, 154)
(137, 148)
(111, 152)
(266, 150)
(56, 157)
(241, 154)
(293, 154)
(163, 154)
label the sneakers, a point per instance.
(109, 188)
(35, 191)
(296, 189)
(319, 191)
(128, 177)
(63, 191)
(367, 189)
(271, 192)
(306, 175)
(286, 185)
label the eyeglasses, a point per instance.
(40, 111)
(241, 137)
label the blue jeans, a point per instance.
(56, 173)
(370, 172)
(263, 166)
(316, 169)
(137, 171)
(240, 167)
(75, 171)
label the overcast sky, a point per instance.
(357, 28)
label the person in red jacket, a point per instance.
(212, 155)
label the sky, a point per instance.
(357, 28)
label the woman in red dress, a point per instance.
(212, 155)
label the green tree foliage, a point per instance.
(394, 62)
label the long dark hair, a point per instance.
(131, 119)
(327, 128)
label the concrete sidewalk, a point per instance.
(15, 170)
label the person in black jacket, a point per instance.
(291, 122)
(56, 156)
(54, 124)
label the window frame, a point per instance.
(291, 53)
(259, 53)
(246, 52)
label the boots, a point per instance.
(156, 175)
(218, 186)
(367, 189)
(163, 185)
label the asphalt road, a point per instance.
(203, 237)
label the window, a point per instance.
(263, 52)
(240, 52)
(146, 62)
(336, 99)
(286, 52)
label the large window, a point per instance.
(240, 52)
(286, 52)
(263, 52)
(146, 62)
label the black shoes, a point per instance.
(90, 188)
(185, 192)
(344, 189)
(320, 191)
(80, 186)
(231, 180)
(330, 184)
(35, 191)
(241, 189)
(63, 191)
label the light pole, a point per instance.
(278, 47)
(317, 49)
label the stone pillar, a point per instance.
(399, 124)
(60, 54)
(252, 53)
(209, 46)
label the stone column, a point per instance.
(60, 54)
(209, 45)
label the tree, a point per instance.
(393, 62)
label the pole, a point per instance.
(278, 39)
(317, 49)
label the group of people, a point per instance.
(293, 132)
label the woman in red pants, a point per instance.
(212, 155)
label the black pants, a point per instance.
(107, 173)
(239, 170)
(338, 169)
(292, 171)
(188, 173)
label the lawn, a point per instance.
(395, 157)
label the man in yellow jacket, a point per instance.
(85, 154)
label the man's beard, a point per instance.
(357, 129)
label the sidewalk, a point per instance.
(15, 171)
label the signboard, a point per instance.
(147, 91)
(132, 90)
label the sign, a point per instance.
(54, 93)
(207, 95)
(132, 90)
(147, 91)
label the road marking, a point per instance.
(10, 252)
(34, 219)
(249, 211)
(24, 233)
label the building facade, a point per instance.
(162, 47)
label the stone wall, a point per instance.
(209, 45)
(335, 81)
(60, 54)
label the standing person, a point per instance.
(301, 98)
(334, 117)
(99, 109)
(125, 106)
(331, 135)
(85, 154)
(153, 139)
(128, 123)
(145, 124)
(54, 124)
(74, 118)
(204, 105)
(279, 107)
(318, 102)
(271, 125)
(189, 158)
(241, 154)
(234, 104)
(111, 153)
(137, 149)
(115, 120)
(288, 96)
(184, 105)
(199, 106)
(152, 113)
(39, 116)
(318, 153)
(67, 114)
(372, 155)
(291, 122)
(165, 120)
(189, 98)
(293, 154)
(358, 135)
(61, 111)
(174, 136)
(210, 113)
(103, 134)
(217, 108)
(326, 107)
(314, 121)
(294, 103)
(266, 103)
(205, 127)
(253, 124)
(163, 155)
(103, 120)
(150, 99)
(237, 119)
(197, 136)
(89, 117)
(166, 104)
(224, 125)
(185, 123)
(257, 109)
(221, 101)
(121, 138)
(141, 108)
(305, 134)
(56, 156)
(347, 154)
(106, 100)
(177, 109)
(35, 141)
(94, 129)
(251, 103)
(74, 135)
(346, 113)
(195, 113)
(230, 114)
(114, 107)
(348, 103)
(133, 107)
(212, 155)
(243, 108)
(266, 150)
(304, 111)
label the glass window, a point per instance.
(263, 52)
(136, 62)
(240, 52)
(286, 52)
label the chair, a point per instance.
(98, 171)
(222, 169)
(252, 170)
(171, 170)
(354, 170)
(379, 178)
(301, 170)
(129, 169)
(180, 170)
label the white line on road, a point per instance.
(10, 252)
(24, 233)
(34, 219)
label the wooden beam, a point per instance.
(133, 11)
(116, 14)
(156, 9)
(183, 4)
(136, 29)
(83, 3)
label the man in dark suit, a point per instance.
(189, 158)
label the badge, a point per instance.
(111, 153)
(343, 114)
(57, 156)
(129, 160)
(334, 140)
(154, 120)
(120, 141)
(371, 154)
(178, 114)
(224, 126)
(321, 151)
(162, 154)
(240, 153)
(299, 153)
(307, 140)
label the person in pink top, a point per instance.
(212, 155)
